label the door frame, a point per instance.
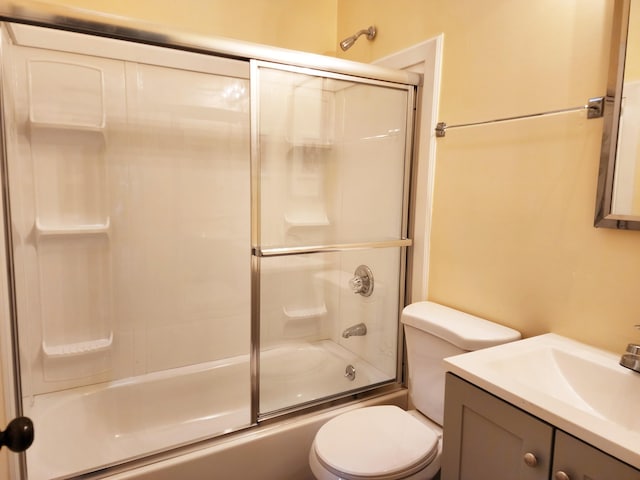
(424, 58)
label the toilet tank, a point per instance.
(434, 332)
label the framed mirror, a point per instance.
(618, 195)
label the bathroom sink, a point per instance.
(579, 388)
(602, 388)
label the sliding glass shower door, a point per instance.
(129, 180)
(331, 163)
(196, 243)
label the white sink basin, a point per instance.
(580, 389)
(601, 388)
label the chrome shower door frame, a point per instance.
(259, 252)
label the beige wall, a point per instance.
(512, 225)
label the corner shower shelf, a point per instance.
(82, 229)
(78, 348)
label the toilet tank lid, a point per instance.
(463, 330)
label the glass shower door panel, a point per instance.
(332, 159)
(131, 227)
(187, 216)
(318, 339)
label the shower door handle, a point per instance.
(18, 435)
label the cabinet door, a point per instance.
(580, 461)
(486, 438)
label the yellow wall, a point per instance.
(308, 25)
(512, 234)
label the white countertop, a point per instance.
(575, 387)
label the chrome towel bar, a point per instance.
(594, 108)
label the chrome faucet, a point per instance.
(355, 331)
(631, 358)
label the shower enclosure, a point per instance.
(196, 242)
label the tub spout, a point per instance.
(355, 331)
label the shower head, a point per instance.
(348, 42)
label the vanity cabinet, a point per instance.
(580, 461)
(488, 438)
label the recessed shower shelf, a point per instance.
(307, 220)
(310, 144)
(78, 348)
(81, 229)
(304, 313)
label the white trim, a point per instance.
(424, 58)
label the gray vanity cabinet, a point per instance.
(488, 438)
(580, 461)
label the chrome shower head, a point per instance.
(348, 42)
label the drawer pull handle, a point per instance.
(560, 475)
(530, 459)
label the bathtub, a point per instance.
(80, 429)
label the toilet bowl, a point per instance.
(385, 442)
(382, 443)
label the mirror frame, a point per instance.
(604, 217)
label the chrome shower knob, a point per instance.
(362, 281)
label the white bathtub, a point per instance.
(299, 373)
(81, 429)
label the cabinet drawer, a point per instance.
(581, 461)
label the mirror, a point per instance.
(618, 197)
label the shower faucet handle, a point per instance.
(362, 281)
(356, 284)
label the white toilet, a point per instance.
(385, 442)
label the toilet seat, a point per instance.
(375, 443)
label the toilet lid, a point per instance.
(375, 442)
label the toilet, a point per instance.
(385, 442)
